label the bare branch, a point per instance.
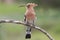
(36, 27)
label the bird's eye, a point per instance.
(28, 6)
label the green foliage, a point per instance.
(50, 3)
(48, 19)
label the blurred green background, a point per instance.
(48, 18)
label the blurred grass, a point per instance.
(48, 19)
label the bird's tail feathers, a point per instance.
(28, 33)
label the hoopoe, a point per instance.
(29, 18)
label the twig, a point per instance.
(21, 22)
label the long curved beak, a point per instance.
(36, 5)
(22, 6)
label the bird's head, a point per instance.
(31, 5)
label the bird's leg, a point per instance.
(33, 23)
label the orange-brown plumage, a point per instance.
(30, 13)
(29, 17)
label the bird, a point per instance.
(29, 18)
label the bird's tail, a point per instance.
(28, 33)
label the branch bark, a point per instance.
(21, 22)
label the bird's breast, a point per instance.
(30, 16)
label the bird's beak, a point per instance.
(22, 6)
(36, 5)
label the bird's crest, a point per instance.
(31, 5)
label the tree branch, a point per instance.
(21, 22)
